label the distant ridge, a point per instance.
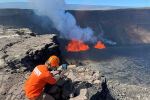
(21, 5)
(26, 5)
(92, 7)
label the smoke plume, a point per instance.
(101, 37)
(63, 21)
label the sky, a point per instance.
(128, 3)
(13, 0)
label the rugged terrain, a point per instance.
(123, 69)
(19, 54)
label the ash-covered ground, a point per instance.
(126, 62)
(129, 64)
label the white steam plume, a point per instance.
(63, 21)
(101, 37)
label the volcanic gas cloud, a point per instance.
(66, 24)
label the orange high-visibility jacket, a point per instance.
(37, 80)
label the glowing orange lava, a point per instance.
(76, 46)
(99, 45)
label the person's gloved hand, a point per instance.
(64, 66)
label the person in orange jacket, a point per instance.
(40, 76)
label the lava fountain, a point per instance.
(99, 45)
(76, 46)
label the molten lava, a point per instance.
(76, 46)
(99, 45)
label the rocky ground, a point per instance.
(20, 53)
(22, 50)
(78, 83)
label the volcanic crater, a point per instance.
(124, 66)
